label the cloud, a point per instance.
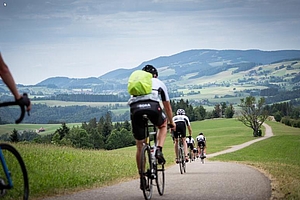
(77, 38)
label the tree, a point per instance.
(253, 113)
(229, 111)
(107, 126)
(14, 137)
(63, 131)
(217, 111)
(223, 108)
(200, 113)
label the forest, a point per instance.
(103, 133)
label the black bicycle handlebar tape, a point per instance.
(22, 102)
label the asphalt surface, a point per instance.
(211, 180)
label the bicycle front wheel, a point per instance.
(145, 174)
(160, 178)
(17, 172)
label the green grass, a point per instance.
(60, 170)
(49, 128)
(277, 156)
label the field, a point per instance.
(49, 128)
(77, 169)
(73, 103)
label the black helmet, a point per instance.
(200, 133)
(151, 69)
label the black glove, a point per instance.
(24, 100)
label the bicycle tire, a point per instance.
(160, 178)
(183, 163)
(180, 159)
(183, 160)
(202, 155)
(18, 175)
(146, 168)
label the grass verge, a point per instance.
(278, 157)
(57, 170)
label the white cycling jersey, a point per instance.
(181, 118)
(190, 141)
(200, 138)
(159, 92)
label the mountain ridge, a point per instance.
(201, 62)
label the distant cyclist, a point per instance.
(195, 151)
(181, 121)
(191, 145)
(201, 140)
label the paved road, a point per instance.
(212, 180)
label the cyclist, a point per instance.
(191, 144)
(195, 151)
(181, 121)
(149, 104)
(201, 140)
(8, 79)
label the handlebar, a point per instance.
(23, 102)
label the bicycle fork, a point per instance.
(6, 171)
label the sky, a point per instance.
(40, 39)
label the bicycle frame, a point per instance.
(6, 171)
(7, 183)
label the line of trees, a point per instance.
(199, 113)
(104, 134)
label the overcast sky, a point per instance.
(88, 38)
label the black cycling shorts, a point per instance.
(190, 145)
(154, 112)
(180, 129)
(201, 143)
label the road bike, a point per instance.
(14, 182)
(151, 173)
(190, 154)
(202, 156)
(181, 155)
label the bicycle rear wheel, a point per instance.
(183, 163)
(18, 174)
(160, 178)
(202, 155)
(180, 159)
(145, 174)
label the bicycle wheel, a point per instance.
(190, 154)
(180, 159)
(18, 174)
(160, 178)
(145, 175)
(202, 155)
(183, 163)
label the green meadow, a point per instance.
(278, 157)
(60, 170)
(49, 128)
